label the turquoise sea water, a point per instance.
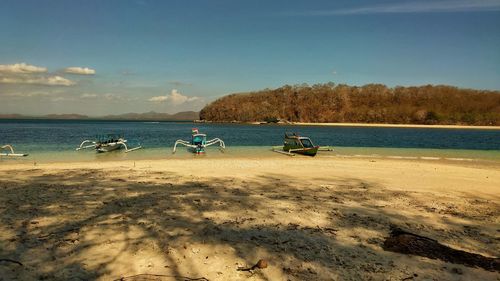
(56, 140)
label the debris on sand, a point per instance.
(11, 261)
(404, 242)
(261, 264)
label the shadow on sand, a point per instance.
(93, 224)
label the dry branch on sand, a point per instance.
(401, 241)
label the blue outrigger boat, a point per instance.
(199, 142)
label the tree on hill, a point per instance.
(372, 103)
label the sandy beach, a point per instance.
(398, 125)
(202, 219)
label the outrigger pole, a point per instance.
(127, 149)
(87, 146)
(94, 144)
(278, 149)
(275, 149)
(183, 142)
(12, 153)
(222, 145)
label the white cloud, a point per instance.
(80, 70)
(108, 97)
(114, 97)
(20, 68)
(58, 99)
(448, 6)
(22, 73)
(158, 99)
(174, 98)
(58, 80)
(48, 81)
(26, 94)
(88, 96)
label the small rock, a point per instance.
(310, 270)
(457, 270)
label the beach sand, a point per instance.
(309, 218)
(399, 125)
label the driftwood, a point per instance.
(146, 276)
(59, 232)
(404, 242)
(11, 261)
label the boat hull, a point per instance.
(308, 151)
(197, 150)
(108, 147)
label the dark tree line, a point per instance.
(372, 103)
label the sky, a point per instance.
(99, 57)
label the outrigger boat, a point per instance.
(294, 143)
(8, 148)
(199, 142)
(107, 144)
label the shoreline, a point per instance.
(218, 162)
(382, 125)
(256, 153)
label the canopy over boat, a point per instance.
(299, 144)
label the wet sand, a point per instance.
(310, 218)
(399, 125)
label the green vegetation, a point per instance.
(372, 103)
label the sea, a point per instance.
(56, 140)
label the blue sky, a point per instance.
(103, 56)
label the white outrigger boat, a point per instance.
(107, 144)
(8, 148)
(199, 142)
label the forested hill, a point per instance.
(373, 103)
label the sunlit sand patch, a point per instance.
(429, 158)
(459, 159)
(402, 157)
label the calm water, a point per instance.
(57, 140)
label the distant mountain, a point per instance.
(149, 116)
(65, 116)
(12, 116)
(180, 116)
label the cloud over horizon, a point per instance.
(21, 68)
(23, 73)
(112, 97)
(175, 98)
(88, 96)
(79, 70)
(46, 81)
